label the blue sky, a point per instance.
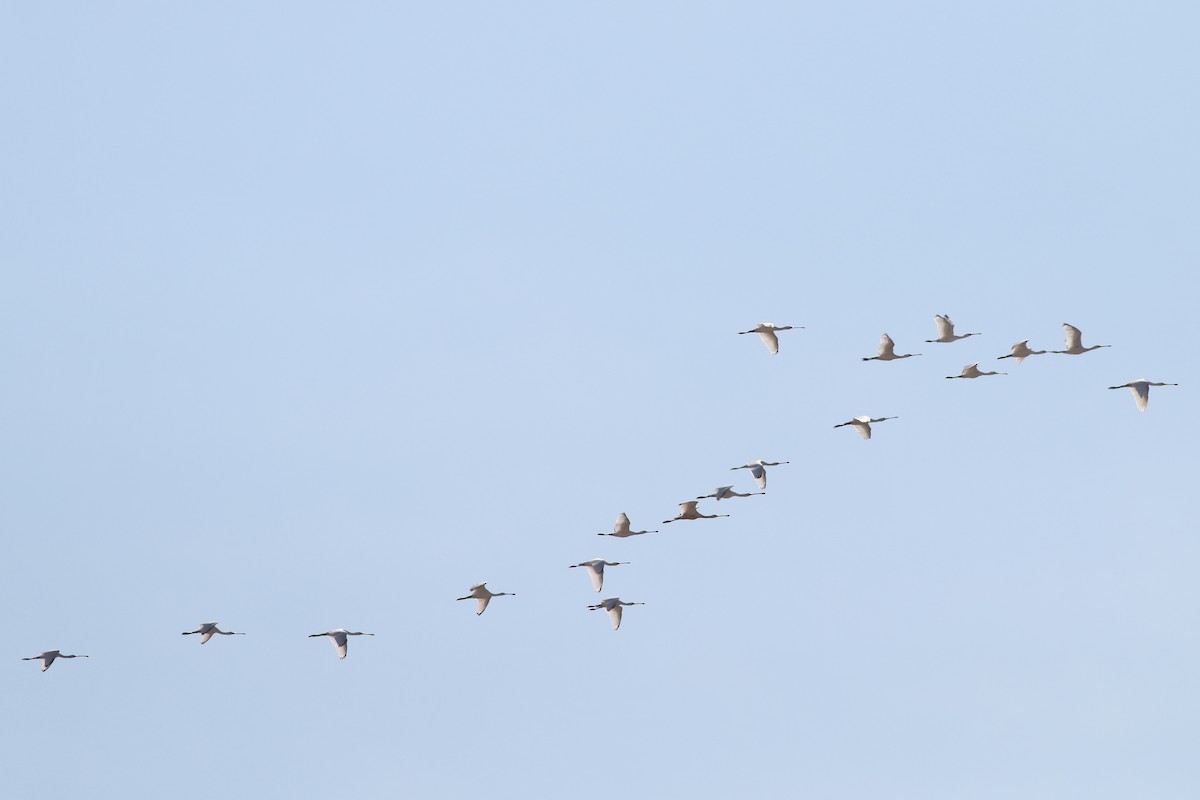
(314, 316)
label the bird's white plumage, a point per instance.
(972, 371)
(482, 596)
(1141, 390)
(766, 332)
(772, 342)
(613, 606)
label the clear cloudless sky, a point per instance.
(315, 314)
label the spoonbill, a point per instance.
(613, 606)
(688, 511)
(1075, 342)
(1141, 390)
(47, 658)
(482, 596)
(759, 470)
(595, 569)
(945, 329)
(725, 492)
(621, 529)
(972, 371)
(338, 637)
(1021, 351)
(887, 351)
(207, 629)
(863, 424)
(766, 332)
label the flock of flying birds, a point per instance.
(689, 510)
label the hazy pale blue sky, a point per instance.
(313, 315)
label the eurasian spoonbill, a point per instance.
(887, 351)
(1141, 390)
(621, 529)
(482, 596)
(945, 329)
(338, 637)
(613, 606)
(1021, 351)
(725, 492)
(766, 332)
(47, 658)
(863, 424)
(688, 511)
(972, 371)
(1075, 342)
(595, 569)
(759, 471)
(207, 629)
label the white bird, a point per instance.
(482, 596)
(726, 492)
(759, 471)
(887, 351)
(1021, 351)
(688, 511)
(945, 329)
(621, 529)
(1075, 342)
(863, 424)
(207, 629)
(338, 637)
(972, 371)
(595, 569)
(47, 658)
(766, 332)
(613, 606)
(1141, 390)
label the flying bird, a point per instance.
(766, 332)
(613, 606)
(482, 596)
(688, 511)
(972, 371)
(621, 529)
(338, 637)
(725, 492)
(759, 471)
(1141, 390)
(1021, 351)
(595, 569)
(945, 329)
(207, 629)
(887, 351)
(47, 658)
(1075, 342)
(863, 425)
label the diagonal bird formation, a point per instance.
(689, 510)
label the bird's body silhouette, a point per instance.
(613, 606)
(47, 658)
(945, 330)
(622, 529)
(1075, 342)
(863, 424)
(482, 596)
(688, 511)
(759, 470)
(595, 569)
(972, 371)
(208, 629)
(1141, 390)
(338, 637)
(766, 332)
(887, 351)
(1021, 351)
